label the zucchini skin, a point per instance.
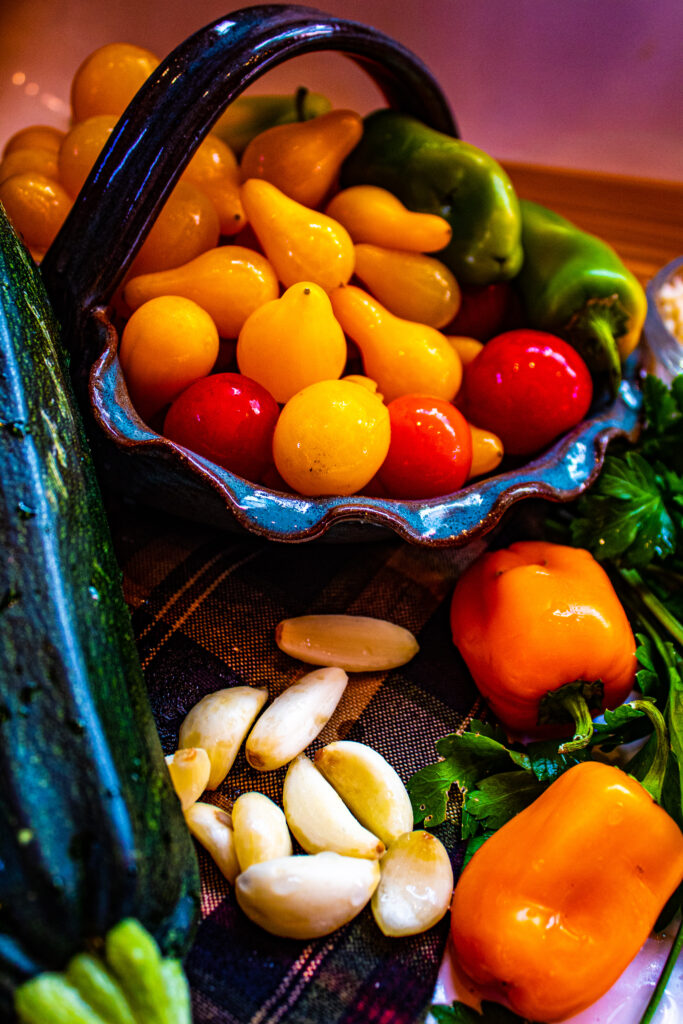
(91, 830)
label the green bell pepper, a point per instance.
(431, 172)
(574, 285)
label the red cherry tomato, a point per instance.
(482, 312)
(430, 452)
(229, 419)
(528, 387)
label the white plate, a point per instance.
(624, 1003)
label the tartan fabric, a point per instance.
(205, 605)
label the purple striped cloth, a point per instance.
(205, 605)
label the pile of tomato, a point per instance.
(299, 335)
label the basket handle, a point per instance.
(168, 118)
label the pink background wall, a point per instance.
(594, 84)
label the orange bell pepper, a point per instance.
(544, 636)
(554, 906)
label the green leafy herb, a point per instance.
(496, 779)
(634, 512)
(622, 725)
(663, 979)
(466, 758)
(491, 1013)
(632, 521)
(663, 411)
(626, 513)
(498, 798)
(429, 790)
(473, 844)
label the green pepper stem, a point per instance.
(300, 101)
(663, 979)
(576, 705)
(595, 341)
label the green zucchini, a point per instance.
(90, 829)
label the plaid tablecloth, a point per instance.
(205, 604)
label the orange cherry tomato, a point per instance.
(38, 160)
(36, 205)
(81, 148)
(108, 78)
(36, 136)
(167, 344)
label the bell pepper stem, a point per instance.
(299, 102)
(601, 346)
(593, 331)
(575, 703)
(663, 979)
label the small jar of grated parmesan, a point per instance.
(670, 305)
(664, 322)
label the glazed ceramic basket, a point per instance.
(147, 152)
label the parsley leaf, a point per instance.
(466, 758)
(498, 798)
(428, 789)
(634, 512)
(662, 438)
(673, 783)
(491, 1013)
(647, 678)
(626, 513)
(623, 725)
(546, 761)
(660, 406)
(473, 844)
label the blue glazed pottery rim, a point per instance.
(560, 474)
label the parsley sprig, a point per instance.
(632, 521)
(633, 514)
(491, 1013)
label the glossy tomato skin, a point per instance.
(528, 387)
(483, 311)
(229, 419)
(430, 452)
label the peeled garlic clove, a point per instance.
(189, 769)
(319, 818)
(304, 897)
(355, 643)
(415, 885)
(369, 786)
(218, 723)
(212, 827)
(295, 718)
(260, 829)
